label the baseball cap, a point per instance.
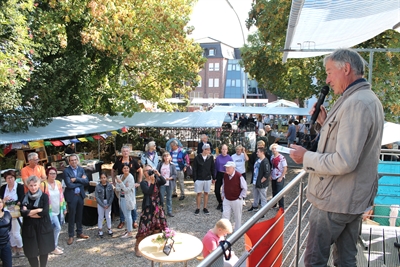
(230, 164)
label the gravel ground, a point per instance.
(114, 251)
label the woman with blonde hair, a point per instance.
(57, 205)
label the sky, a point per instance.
(216, 19)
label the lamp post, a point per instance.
(244, 42)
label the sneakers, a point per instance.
(197, 212)
(60, 248)
(253, 209)
(127, 235)
(110, 232)
(101, 234)
(57, 252)
(206, 212)
(182, 198)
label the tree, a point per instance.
(96, 56)
(262, 59)
(16, 45)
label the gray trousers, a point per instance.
(327, 228)
(180, 179)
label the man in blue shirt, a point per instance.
(291, 134)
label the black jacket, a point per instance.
(20, 191)
(203, 170)
(149, 189)
(263, 171)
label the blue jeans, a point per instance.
(127, 214)
(122, 216)
(167, 189)
(55, 221)
(276, 188)
(5, 255)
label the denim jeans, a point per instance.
(5, 255)
(167, 189)
(122, 216)
(276, 188)
(55, 221)
(127, 214)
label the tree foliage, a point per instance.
(95, 56)
(301, 78)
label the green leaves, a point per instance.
(301, 78)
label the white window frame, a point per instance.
(210, 83)
(199, 85)
(228, 82)
(216, 66)
(211, 52)
(229, 67)
(216, 82)
(210, 66)
(238, 83)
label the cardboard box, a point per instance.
(90, 202)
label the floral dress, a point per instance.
(152, 217)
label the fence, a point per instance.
(296, 227)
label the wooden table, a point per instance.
(186, 248)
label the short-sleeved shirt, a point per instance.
(210, 243)
(27, 171)
(277, 166)
(133, 166)
(240, 161)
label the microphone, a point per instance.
(321, 99)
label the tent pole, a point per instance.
(371, 62)
(98, 148)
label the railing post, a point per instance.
(299, 216)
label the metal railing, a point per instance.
(295, 230)
(293, 240)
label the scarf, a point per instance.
(31, 196)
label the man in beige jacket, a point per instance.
(343, 176)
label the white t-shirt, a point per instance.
(165, 172)
(240, 162)
(54, 200)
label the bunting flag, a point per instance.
(66, 142)
(89, 138)
(7, 149)
(75, 140)
(16, 145)
(57, 143)
(36, 144)
(108, 134)
(97, 137)
(24, 142)
(104, 136)
(82, 139)
(124, 129)
(47, 143)
(114, 132)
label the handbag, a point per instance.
(189, 170)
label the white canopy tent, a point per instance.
(262, 110)
(282, 103)
(318, 26)
(391, 133)
(228, 101)
(171, 120)
(63, 126)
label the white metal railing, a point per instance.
(294, 240)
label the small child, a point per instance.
(214, 236)
(104, 196)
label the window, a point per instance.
(237, 67)
(211, 52)
(233, 83)
(210, 83)
(211, 66)
(216, 82)
(229, 67)
(237, 83)
(228, 82)
(216, 66)
(199, 84)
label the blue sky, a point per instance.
(215, 19)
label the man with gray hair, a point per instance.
(172, 138)
(178, 158)
(33, 168)
(343, 176)
(204, 140)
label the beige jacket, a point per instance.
(344, 170)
